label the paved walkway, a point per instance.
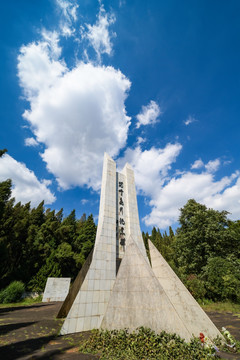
(31, 333)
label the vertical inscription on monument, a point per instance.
(120, 221)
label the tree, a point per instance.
(2, 152)
(5, 193)
(203, 233)
(222, 278)
(5, 190)
(84, 242)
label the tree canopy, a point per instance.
(37, 243)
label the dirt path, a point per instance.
(31, 332)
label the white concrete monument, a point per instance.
(56, 289)
(121, 289)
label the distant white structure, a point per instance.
(121, 289)
(56, 289)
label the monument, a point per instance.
(119, 288)
(56, 289)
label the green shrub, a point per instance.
(12, 293)
(196, 287)
(144, 344)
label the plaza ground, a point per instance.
(31, 332)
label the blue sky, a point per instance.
(154, 83)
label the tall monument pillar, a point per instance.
(118, 218)
(90, 303)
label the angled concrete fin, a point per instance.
(132, 217)
(74, 289)
(90, 303)
(137, 298)
(189, 311)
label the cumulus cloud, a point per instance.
(203, 188)
(148, 114)
(37, 68)
(26, 186)
(99, 34)
(189, 120)
(78, 114)
(31, 142)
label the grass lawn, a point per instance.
(24, 302)
(220, 307)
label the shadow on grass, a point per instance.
(4, 329)
(58, 355)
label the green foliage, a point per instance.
(5, 193)
(204, 252)
(222, 278)
(144, 344)
(12, 293)
(221, 307)
(2, 152)
(49, 269)
(36, 243)
(163, 242)
(202, 234)
(195, 286)
(23, 302)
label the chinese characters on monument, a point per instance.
(120, 221)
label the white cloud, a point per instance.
(26, 186)
(77, 114)
(69, 9)
(168, 194)
(197, 164)
(140, 140)
(67, 31)
(213, 165)
(37, 69)
(68, 16)
(31, 142)
(99, 35)
(229, 200)
(189, 120)
(51, 43)
(148, 114)
(84, 201)
(151, 166)
(203, 188)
